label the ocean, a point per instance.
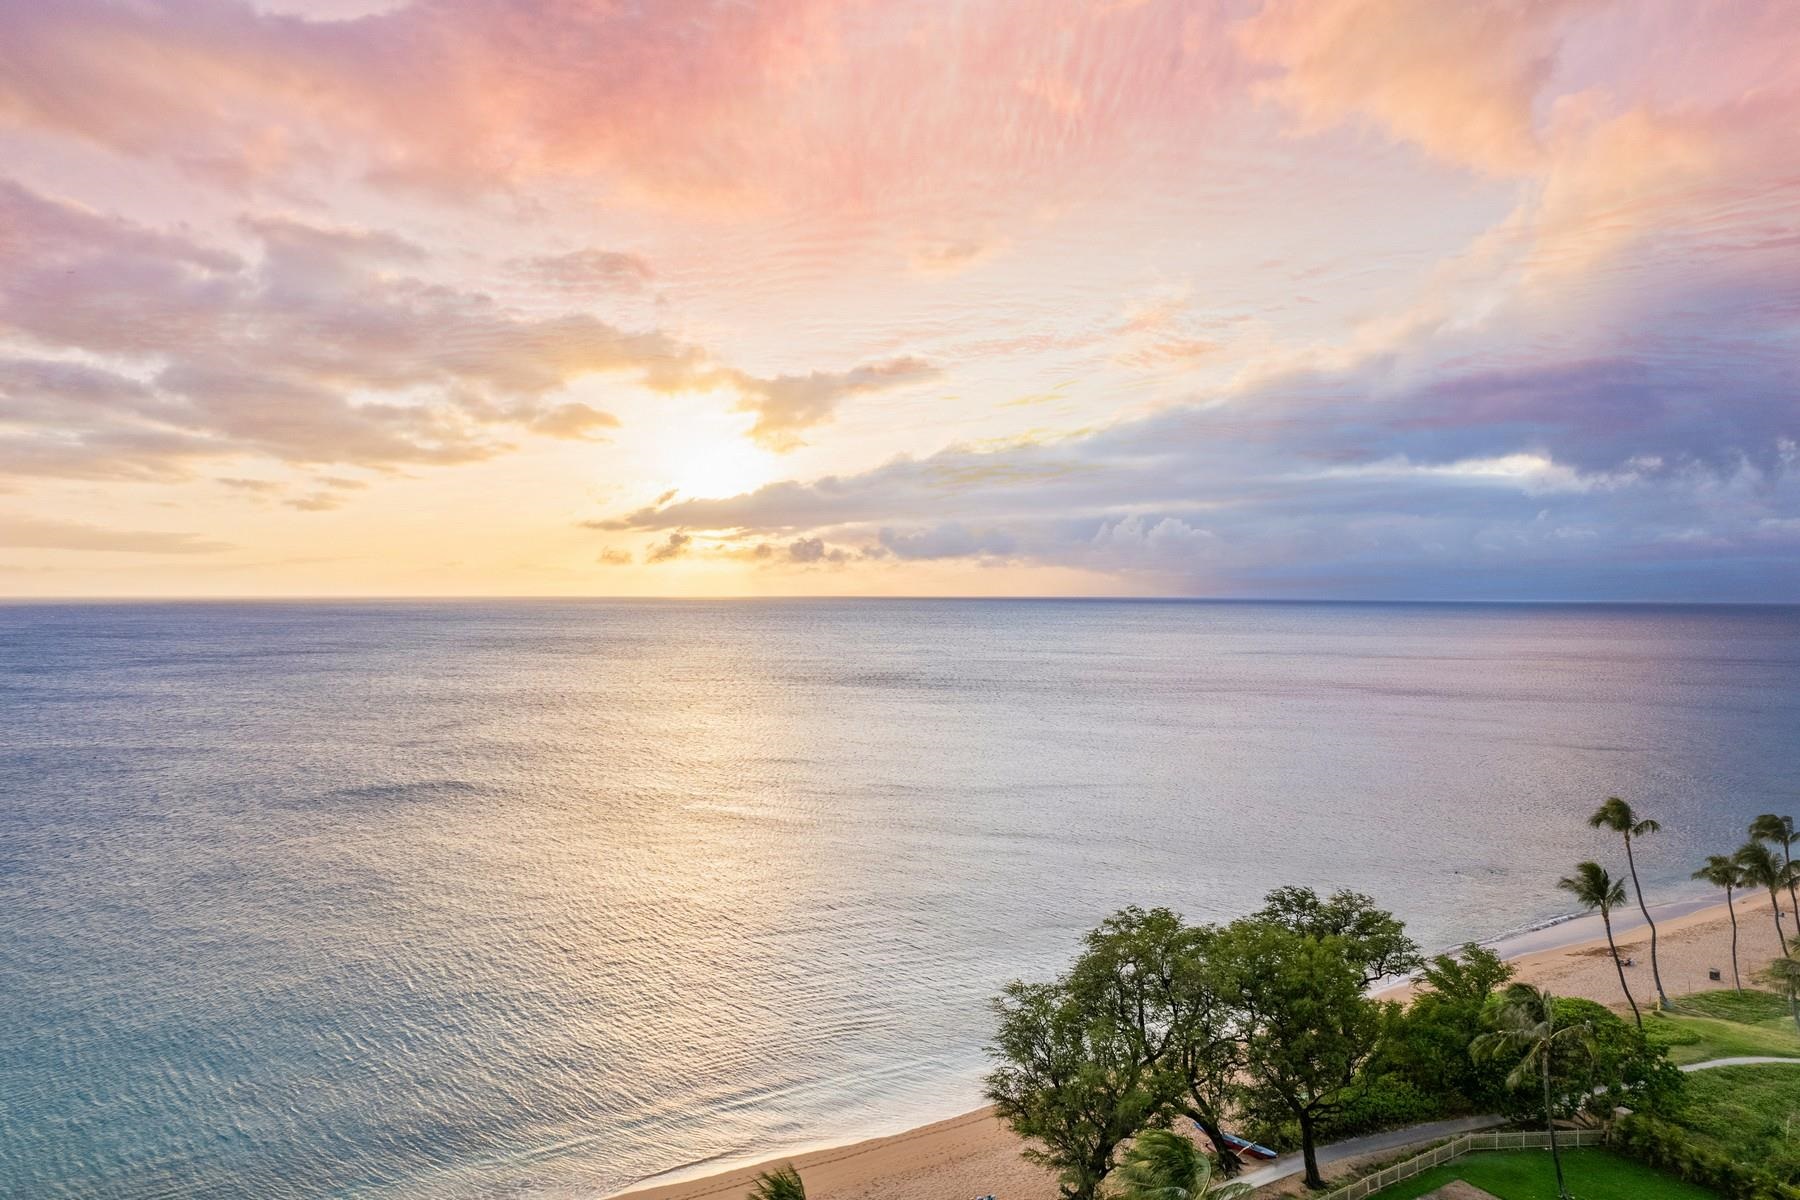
(543, 898)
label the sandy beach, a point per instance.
(975, 1155)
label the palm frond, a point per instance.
(783, 1183)
(1720, 870)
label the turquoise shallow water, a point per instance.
(538, 899)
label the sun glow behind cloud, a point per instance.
(1354, 297)
(702, 448)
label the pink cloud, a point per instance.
(702, 102)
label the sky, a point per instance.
(1296, 298)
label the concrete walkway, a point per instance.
(1742, 1060)
(1374, 1143)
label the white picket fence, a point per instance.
(1454, 1149)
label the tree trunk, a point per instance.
(1735, 981)
(1228, 1159)
(1310, 1154)
(1775, 906)
(1562, 1191)
(1662, 997)
(1606, 920)
(1793, 1008)
(1788, 857)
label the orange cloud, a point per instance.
(1459, 80)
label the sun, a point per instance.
(701, 462)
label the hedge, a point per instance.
(1673, 1149)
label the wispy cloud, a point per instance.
(37, 533)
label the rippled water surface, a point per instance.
(494, 899)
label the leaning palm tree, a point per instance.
(1757, 864)
(1163, 1165)
(1785, 974)
(1597, 890)
(783, 1183)
(1527, 1021)
(1780, 830)
(1722, 871)
(1617, 816)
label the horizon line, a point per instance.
(470, 597)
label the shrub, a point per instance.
(1670, 1148)
(1386, 1102)
(1378, 1102)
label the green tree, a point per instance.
(1073, 1080)
(1784, 973)
(1597, 890)
(1470, 975)
(1618, 1065)
(1757, 864)
(1771, 827)
(1374, 939)
(1308, 1030)
(783, 1183)
(1617, 816)
(1430, 1045)
(1163, 1165)
(1527, 1023)
(1723, 871)
(1149, 970)
(1205, 1054)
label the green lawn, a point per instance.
(1751, 1113)
(1527, 1175)
(1749, 1007)
(1724, 1024)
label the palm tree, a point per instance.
(1757, 864)
(1527, 1021)
(783, 1183)
(1723, 871)
(1596, 889)
(1772, 828)
(1163, 1165)
(1617, 816)
(1786, 973)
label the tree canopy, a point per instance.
(1307, 1029)
(1373, 939)
(1265, 1022)
(1073, 1080)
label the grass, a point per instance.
(1528, 1175)
(1747, 1007)
(1751, 1113)
(1724, 1024)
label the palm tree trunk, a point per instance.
(1793, 901)
(1775, 907)
(1793, 1009)
(1662, 997)
(1735, 981)
(1562, 1190)
(1606, 920)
